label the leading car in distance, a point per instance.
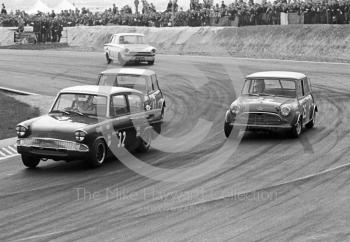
(82, 121)
(273, 100)
(129, 47)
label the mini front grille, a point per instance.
(260, 118)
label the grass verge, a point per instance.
(13, 112)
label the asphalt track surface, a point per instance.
(269, 188)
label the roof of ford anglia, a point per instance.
(277, 74)
(129, 71)
(98, 90)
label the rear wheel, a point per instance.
(311, 123)
(30, 161)
(108, 59)
(145, 141)
(98, 154)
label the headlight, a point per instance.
(235, 108)
(127, 50)
(285, 110)
(80, 135)
(21, 131)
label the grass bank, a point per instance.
(13, 112)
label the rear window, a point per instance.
(107, 80)
(121, 80)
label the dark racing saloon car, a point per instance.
(144, 80)
(88, 122)
(272, 100)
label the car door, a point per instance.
(150, 99)
(109, 47)
(309, 99)
(139, 118)
(122, 125)
(303, 101)
(157, 92)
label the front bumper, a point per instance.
(259, 121)
(138, 57)
(52, 148)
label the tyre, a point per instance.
(108, 59)
(157, 127)
(296, 129)
(121, 61)
(311, 123)
(145, 141)
(98, 154)
(227, 129)
(30, 161)
(151, 62)
(162, 114)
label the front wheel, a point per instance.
(121, 61)
(227, 129)
(98, 154)
(108, 59)
(296, 129)
(30, 162)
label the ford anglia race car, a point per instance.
(129, 47)
(273, 100)
(81, 122)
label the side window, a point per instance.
(119, 106)
(135, 103)
(149, 85)
(154, 83)
(115, 41)
(299, 88)
(306, 86)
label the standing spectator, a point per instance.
(114, 9)
(175, 6)
(20, 24)
(136, 2)
(170, 6)
(53, 15)
(3, 10)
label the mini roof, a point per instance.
(277, 74)
(129, 71)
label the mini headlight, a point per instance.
(21, 131)
(285, 110)
(235, 108)
(80, 135)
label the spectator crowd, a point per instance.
(200, 13)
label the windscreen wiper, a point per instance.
(59, 111)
